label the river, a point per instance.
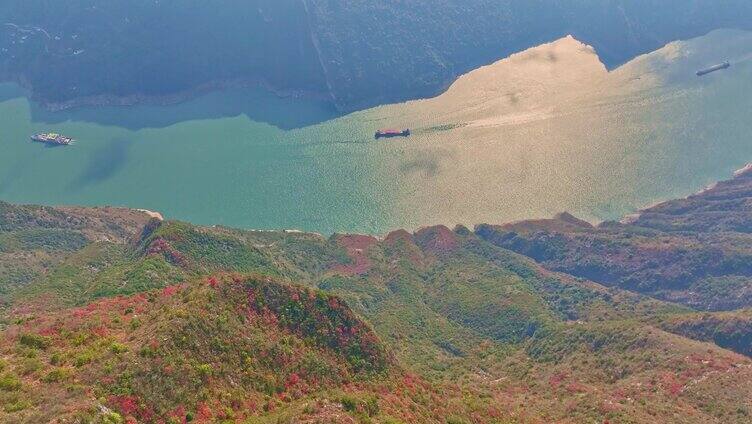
(544, 131)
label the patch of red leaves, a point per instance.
(126, 405)
(170, 291)
(405, 242)
(162, 247)
(672, 384)
(437, 239)
(557, 379)
(356, 247)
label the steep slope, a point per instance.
(35, 240)
(693, 251)
(125, 51)
(400, 51)
(724, 207)
(730, 330)
(358, 53)
(222, 347)
(487, 331)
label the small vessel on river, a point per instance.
(52, 139)
(718, 67)
(392, 133)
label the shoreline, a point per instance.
(104, 100)
(627, 219)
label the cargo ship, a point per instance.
(392, 133)
(718, 67)
(52, 139)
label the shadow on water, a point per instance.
(103, 163)
(14, 172)
(257, 104)
(53, 146)
(11, 91)
(429, 167)
(12, 175)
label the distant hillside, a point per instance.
(357, 53)
(123, 317)
(694, 251)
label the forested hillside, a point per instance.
(694, 251)
(111, 316)
(357, 53)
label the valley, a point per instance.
(375, 212)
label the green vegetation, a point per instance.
(35, 341)
(694, 251)
(213, 324)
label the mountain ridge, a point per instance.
(341, 50)
(434, 325)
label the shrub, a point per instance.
(368, 406)
(118, 348)
(112, 418)
(349, 403)
(83, 358)
(9, 383)
(79, 339)
(371, 406)
(35, 341)
(57, 375)
(205, 370)
(16, 406)
(56, 358)
(30, 365)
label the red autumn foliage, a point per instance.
(126, 405)
(333, 303)
(170, 290)
(203, 412)
(438, 239)
(671, 384)
(575, 387)
(179, 414)
(49, 331)
(100, 331)
(356, 247)
(292, 380)
(556, 379)
(162, 247)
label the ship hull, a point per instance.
(391, 134)
(724, 65)
(52, 141)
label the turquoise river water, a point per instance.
(544, 131)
